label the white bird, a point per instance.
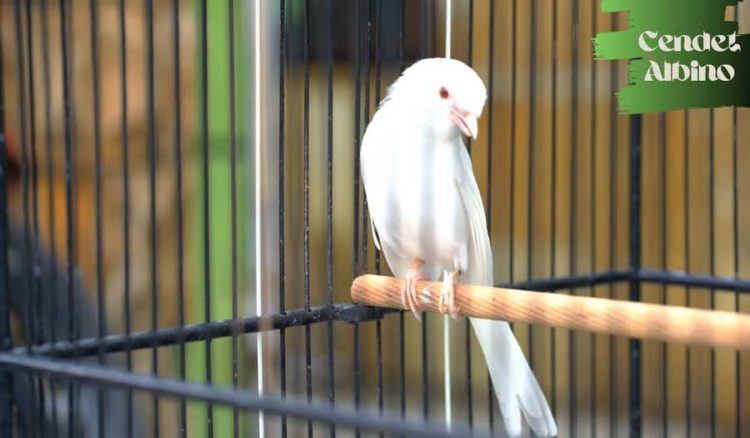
(428, 216)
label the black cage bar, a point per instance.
(183, 215)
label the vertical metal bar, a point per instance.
(470, 30)
(306, 205)
(306, 180)
(467, 338)
(378, 80)
(469, 388)
(663, 230)
(513, 108)
(38, 335)
(425, 318)
(364, 229)
(401, 323)
(27, 315)
(126, 206)
(592, 219)
(490, 111)
(27, 319)
(282, 211)
(531, 159)
(572, 350)
(712, 255)
(635, 264)
(402, 38)
(76, 272)
(378, 74)
(206, 202)
(447, 367)
(367, 74)
(357, 389)
(378, 323)
(52, 271)
(357, 137)
(736, 259)
(329, 209)
(100, 300)
(553, 199)
(6, 342)
(179, 207)
(488, 208)
(33, 236)
(50, 168)
(152, 154)
(233, 211)
(355, 224)
(613, 134)
(69, 194)
(423, 38)
(379, 365)
(686, 237)
(258, 154)
(77, 302)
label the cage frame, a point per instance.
(41, 359)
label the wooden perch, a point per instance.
(636, 320)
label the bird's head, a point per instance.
(449, 92)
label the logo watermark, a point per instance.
(683, 54)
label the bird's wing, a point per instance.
(378, 143)
(480, 251)
(367, 145)
(514, 383)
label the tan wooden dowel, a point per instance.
(637, 320)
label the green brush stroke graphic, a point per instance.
(675, 17)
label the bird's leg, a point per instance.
(409, 297)
(448, 296)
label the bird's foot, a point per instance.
(448, 295)
(409, 294)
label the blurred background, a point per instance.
(165, 230)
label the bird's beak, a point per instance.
(467, 123)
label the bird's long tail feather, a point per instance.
(514, 383)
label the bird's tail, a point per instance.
(514, 383)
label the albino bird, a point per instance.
(427, 214)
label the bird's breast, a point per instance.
(416, 205)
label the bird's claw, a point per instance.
(409, 295)
(447, 302)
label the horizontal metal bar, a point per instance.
(677, 278)
(101, 376)
(210, 330)
(550, 284)
(693, 280)
(218, 329)
(352, 313)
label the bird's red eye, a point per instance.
(444, 94)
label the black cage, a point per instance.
(183, 216)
